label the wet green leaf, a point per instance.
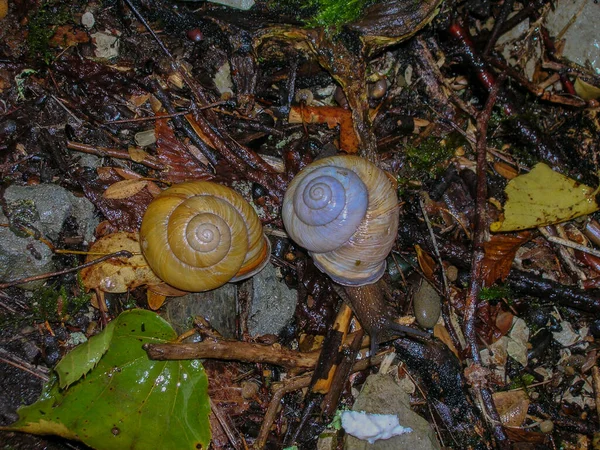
(126, 400)
(544, 197)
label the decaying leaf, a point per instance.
(332, 116)
(544, 197)
(512, 407)
(500, 252)
(126, 400)
(118, 274)
(426, 262)
(124, 189)
(181, 165)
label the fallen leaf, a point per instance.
(118, 274)
(67, 36)
(512, 407)
(126, 400)
(125, 173)
(586, 90)
(332, 116)
(499, 253)
(3, 8)
(544, 197)
(426, 263)
(124, 189)
(179, 162)
(155, 301)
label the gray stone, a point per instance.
(217, 306)
(382, 395)
(22, 257)
(45, 207)
(273, 303)
(582, 40)
(53, 205)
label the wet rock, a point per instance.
(582, 41)
(382, 395)
(45, 209)
(273, 303)
(52, 205)
(218, 307)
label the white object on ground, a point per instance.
(371, 427)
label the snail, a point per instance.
(197, 236)
(344, 211)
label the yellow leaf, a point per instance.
(118, 274)
(124, 189)
(544, 197)
(586, 90)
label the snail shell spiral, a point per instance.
(199, 235)
(344, 211)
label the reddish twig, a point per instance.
(479, 235)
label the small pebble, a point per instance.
(427, 305)
(249, 389)
(88, 20)
(195, 35)
(546, 426)
(378, 89)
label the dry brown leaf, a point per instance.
(139, 99)
(166, 289)
(118, 274)
(126, 173)
(426, 263)
(137, 154)
(155, 301)
(67, 36)
(512, 407)
(153, 188)
(505, 170)
(124, 189)
(500, 252)
(504, 321)
(440, 332)
(180, 164)
(3, 8)
(332, 116)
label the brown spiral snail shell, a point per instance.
(197, 236)
(344, 211)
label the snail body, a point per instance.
(197, 236)
(344, 211)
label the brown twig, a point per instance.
(104, 152)
(234, 351)
(475, 285)
(43, 276)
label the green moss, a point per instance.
(429, 156)
(522, 381)
(54, 304)
(323, 13)
(42, 26)
(495, 293)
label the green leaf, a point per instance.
(81, 360)
(126, 401)
(544, 197)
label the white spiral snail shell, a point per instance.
(199, 235)
(344, 211)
